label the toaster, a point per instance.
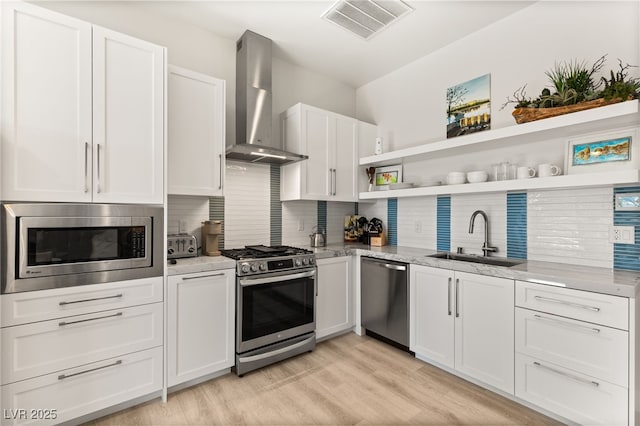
(181, 245)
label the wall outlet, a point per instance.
(418, 227)
(182, 226)
(622, 234)
(301, 225)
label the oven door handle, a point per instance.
(279, 278)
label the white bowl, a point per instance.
(456, 178)
(477, 176)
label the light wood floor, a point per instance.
(346, 380)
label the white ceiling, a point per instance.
(300, 36)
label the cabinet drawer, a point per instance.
(22, 308)
(594, 350)
(577, 397)
(83, 390)
(612, 311)
(44, 347)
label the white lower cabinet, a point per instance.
(335, 295)
(570, 394)
(465, 322)
(572, 353)
(68, 394)
(201, 324)
(72, 351)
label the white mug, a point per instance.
(545, 170)
(525, 172)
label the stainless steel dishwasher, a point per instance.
(384, 289)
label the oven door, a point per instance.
(273, 307)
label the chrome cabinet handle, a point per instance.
(86, 166)
(98, 183)
(203, 276)
(564, 302)
(220, 186)
(335, 181)
(330, 181)
(63, 323)
(457, 298)
(570, 376)
(66, 376)
(449, 297)
(63, 303)
(567, 324)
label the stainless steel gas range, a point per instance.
(275, 304)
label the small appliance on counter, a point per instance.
(211, 231)
(318, 237)
(181, 245)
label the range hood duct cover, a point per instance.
(253, 105)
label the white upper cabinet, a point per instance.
(128, 118)
(83, 111)
(196, 133)
(331, 142)
(46, 107)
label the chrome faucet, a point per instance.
(486, 248)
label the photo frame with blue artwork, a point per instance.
(603, 152)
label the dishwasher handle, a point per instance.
(382, 264)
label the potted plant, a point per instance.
(575, 87)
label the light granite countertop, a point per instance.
(191, 265)
(598, 280)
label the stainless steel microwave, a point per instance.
(60, 245)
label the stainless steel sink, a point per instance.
(495, 261)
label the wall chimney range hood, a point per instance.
(253, 105)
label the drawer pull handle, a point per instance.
(202, 276)
(63, 323)
(567, 324)
(66, 376)
(570, 376)
(564, 302)
(90, 300)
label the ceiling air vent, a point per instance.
(366, 18)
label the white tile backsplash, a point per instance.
(336, 213)
(298, 214)
(246, 205)
(463, 206)
(191, 211)
(417, 222)
(570, 226)
(376, 209)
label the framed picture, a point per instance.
(469, 107)
(388, 175)
(603, 152)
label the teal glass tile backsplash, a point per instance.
(443, 226)
(627, 256)
(392, 221)
(517, 225)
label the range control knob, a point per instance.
(298, 262)
(305, 261)
(254, 267)
(263, 266)
(244, 267)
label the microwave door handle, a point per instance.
(279, 278)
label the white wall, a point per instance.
(409, 103)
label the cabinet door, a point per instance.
(334, 302)
(201, 324)
(196, 133)
(128, 118)
(345, 155)
(485, 329)
(318, 128)
(431, 316)
(46, 107)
